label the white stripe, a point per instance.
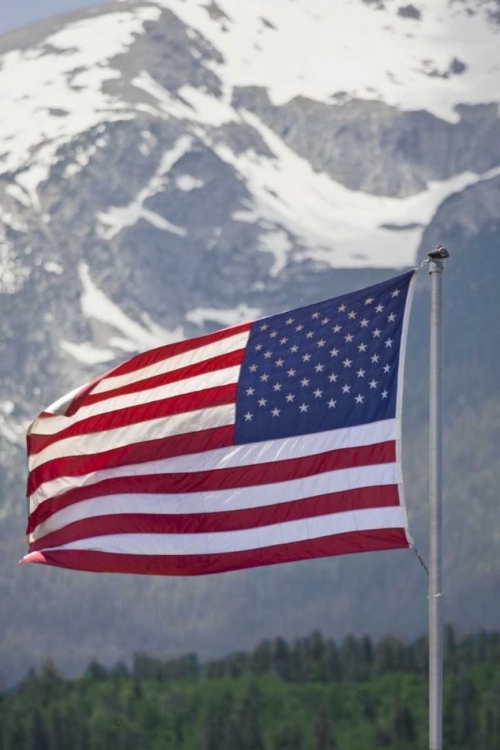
(215, 501)
(51, 426)
(152, 429)
(236, 541)
(193, 356)
(237, 455)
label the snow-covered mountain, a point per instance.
(171, 166)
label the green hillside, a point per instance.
(309, 694)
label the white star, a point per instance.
(375, 358)
(347, 362)
(376, 333)
(294, 348)
(385, 394)
(248, 417)
(273, 334)
(315, 315)
(368, 301)
(276, 412)
(362, 348)
(318, 393)
(336, 328)
(348, 338)
(264, 378)
(283, 340)
(290, 397)
(325, 321)
(346, 388)
(258, 347)
(279, 362)
(332, 378)
(391, 318)
(319, 368)
(387, 368)
(334, 352)
(352, 315)
(379, 308)
(299, 327)
(250, 391)
(388, 343)
(372, 383)
(304, 382)
(253, 368)
(277, 387)
(331, 404)
(395, 293)
(363, 323)
(291, 372)
(309, 335)
(306, 357)
(361, 373)
(262, 401)
(342, 308)
(268, 355)
(321, 343)
(264, 327)
(359, 399)
(289, 321)
(303, 407)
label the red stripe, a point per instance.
(171, 350)
(128, 455)
(272, 472)
(219, 396)
(152, 357)
(194, 523)
(190, 371)
(191, 565)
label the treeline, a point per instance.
(309, 694)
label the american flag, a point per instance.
(266, 442)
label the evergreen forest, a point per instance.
(309, 694)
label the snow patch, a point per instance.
(17, 192)
(320, 49)
(247, 217)
(117, 218)
(87, 353)
(69, 66)
(186, 183)
(9, 428)
(279, 245)
(9, 220)
(336, 226)
(13, 274)
(202, 315)
(190, 104)
(95, 304)
(52, 267)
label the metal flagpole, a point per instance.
(436, 268)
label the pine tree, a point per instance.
(323, 735)
(404, 724)
(290, 737)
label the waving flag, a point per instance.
(263, 443)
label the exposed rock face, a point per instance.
(152, 187)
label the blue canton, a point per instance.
(329, 365)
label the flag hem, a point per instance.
(399, 400)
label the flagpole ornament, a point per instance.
(437, 260)
(268, 442)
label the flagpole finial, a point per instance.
(440, 253)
